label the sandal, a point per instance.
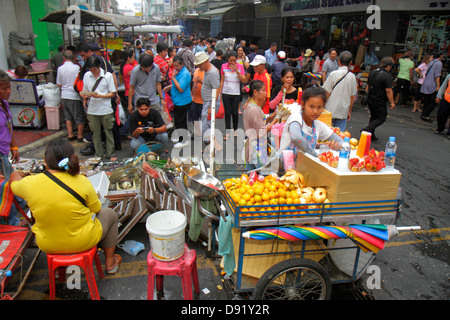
(114, 269)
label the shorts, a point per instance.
(195, 112)
(74, 111)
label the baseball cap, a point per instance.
(95, 47)
(282, 55)
(257, 60)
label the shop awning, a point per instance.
(217, 11)
(92, 18)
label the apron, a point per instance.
(311, 139)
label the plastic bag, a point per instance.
(131, 247)
(121, 117)
(220, 111)
(52, 95)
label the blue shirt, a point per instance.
(184, 80)
(200, 48)
(429, 84)
(270, 57)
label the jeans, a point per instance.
(231, 105)
(161, 137)
(339, 123)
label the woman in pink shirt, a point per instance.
(421, 70)
(232, 74)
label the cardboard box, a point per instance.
(325, 117)
(348, 186)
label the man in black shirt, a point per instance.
(146, 124)
(218, 61)
(380, 92)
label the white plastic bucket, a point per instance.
(166, 230)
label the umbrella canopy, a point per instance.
(368, 237)
(93, 18)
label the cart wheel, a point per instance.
(294, 279)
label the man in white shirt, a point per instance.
(210, 52)
(71, 101)
(341, 91)
(99, 88)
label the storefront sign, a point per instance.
(113, 43)
(291, 8)
(412, 5)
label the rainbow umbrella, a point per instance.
(369, 237)
(313, 75)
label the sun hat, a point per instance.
(257, 60)
(309, 52)
(282, 55)
(200, 57)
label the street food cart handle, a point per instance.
(206, 212)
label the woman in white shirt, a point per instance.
(98, 89)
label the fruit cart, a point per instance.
(289, 251)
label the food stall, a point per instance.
(297, 231)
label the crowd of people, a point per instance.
(167, 87)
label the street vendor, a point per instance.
(287, 78)
(302, 130)
(67, 221)
(146, 124)
(256, 125)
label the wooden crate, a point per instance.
(348, 186)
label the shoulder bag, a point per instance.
(66, 187)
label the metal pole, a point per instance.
(213, 127)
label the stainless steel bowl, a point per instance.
(201, 184)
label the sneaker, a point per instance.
(181, 144)
(86, 140)
(437, 132)
(87, 151)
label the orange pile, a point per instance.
(272, 191)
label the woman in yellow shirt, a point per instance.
(63, 224)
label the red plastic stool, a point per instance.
(185, 267)
(84, 260)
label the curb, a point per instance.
(41, 142)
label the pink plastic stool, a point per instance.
(185, 267)
(84, 260)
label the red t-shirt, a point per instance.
(127, 68)
(265, 77)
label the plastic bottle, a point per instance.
(389, 153)
(344, 155)
(252, 178)
(4, 274)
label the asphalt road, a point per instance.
(413, 266)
